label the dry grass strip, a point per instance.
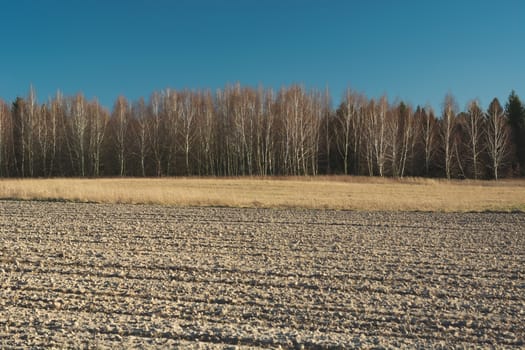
(326, 192)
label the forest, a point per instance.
(246, 131)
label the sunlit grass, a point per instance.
(326, 192)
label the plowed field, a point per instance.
(119, 276)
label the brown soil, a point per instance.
(120, 276)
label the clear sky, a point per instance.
(416, 50)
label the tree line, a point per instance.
(238, 131)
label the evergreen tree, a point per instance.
(515, 111)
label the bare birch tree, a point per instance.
(301, 116)
(497, 138)
(78, 118)
(242, 111)
(377, 125)
(474, 145)
(206, 133)
(429, 137)
(323, 112)
(121, 115)
(258, 136)
(448, 123)
(187, 111)
(368, 139)
(32, 116)
(226, 143)
(268, 161)
(406, 129)
(392, 142)
(171, 120)
(140, 114)
(43, 140)
(155, 132)
(5, 137)
(98, 122)
(347, 119)
(56, 118)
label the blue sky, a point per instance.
(416, 51)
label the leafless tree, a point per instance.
(155, 131)
(32, 116)
(429, 136)
(171, 120)
(319, 105)
(42, 140)
(98, 122)
(369, 135)
(327, 134)
(497, 138)
(140, 114)
(392, 142)
(401, 132)
(226, 143)
(121, 117)
(206, 133)
(474, 145)
(348, 123)
(448, 141)
(188, 108)
(258, 132)
(267, 116)
(78, 121)
(5, 137)
(376, 125)
(300, 115)
(56, 118)
(242, 109)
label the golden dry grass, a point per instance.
(334, 192)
